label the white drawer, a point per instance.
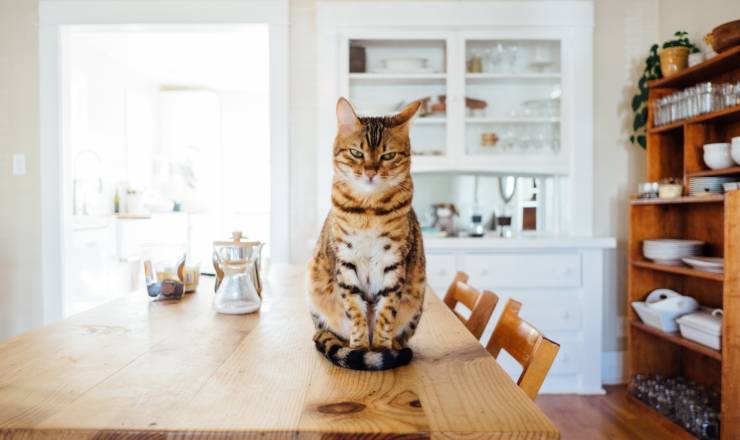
(568, 360)
(548, 318)
(440, 271)
(524, 270)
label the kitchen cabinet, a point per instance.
(528, 63)
(560, 283)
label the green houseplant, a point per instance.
(653, 70)
(674, 56)
(639, 101)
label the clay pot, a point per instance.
(673, 60)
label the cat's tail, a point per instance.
(337, 351)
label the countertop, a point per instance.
(133, 367)
(523, 242)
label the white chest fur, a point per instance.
(371, 254)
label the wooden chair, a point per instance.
(481, 305)
(534, 352)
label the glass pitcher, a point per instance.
(238, 286)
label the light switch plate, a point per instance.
(19, 164)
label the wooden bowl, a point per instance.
(726, 36)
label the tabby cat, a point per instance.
(366, 279)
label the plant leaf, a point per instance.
(641, 140)
(636, 101)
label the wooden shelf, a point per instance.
(677, 339)
(721, 172)
(730, 114)
(702, 72)
(674, 150)
(680, 270)
(714, 198)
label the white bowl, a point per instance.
(718, 159)
(735, 150)
(717, 146)
(730, 186)
(735, 140)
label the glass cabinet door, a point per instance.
(385, 74)
(512, 97)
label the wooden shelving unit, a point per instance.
(679, 270)
(714, 198)
(675, 150)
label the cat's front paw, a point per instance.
(380, 344)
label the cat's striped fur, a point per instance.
(366, 279)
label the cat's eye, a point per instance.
(355, 153)
(388, 156)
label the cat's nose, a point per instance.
(371, 174)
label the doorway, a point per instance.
(164, 136)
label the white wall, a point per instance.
(21, 304)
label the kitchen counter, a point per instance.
(524, 242)
(133, 367)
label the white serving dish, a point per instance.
(706, 264)
(703, 326)
(661, 308)
(730, 186)
(670, 191)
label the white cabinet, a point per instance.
(561, 291)
(528, 64)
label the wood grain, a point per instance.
(731, 320)
(530, 348)
(139, 369)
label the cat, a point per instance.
(366, 279)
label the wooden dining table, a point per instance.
(137, 368)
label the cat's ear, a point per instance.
(405, 115)
(347, 120)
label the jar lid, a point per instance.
(236, 240)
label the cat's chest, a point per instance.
(370, 253)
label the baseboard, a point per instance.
(613, 371)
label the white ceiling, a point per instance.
(228, 58)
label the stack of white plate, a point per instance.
(670, 251)
(706, 264)
(707, 185)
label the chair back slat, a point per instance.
(481, 305)
(534, 352)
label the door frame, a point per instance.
(54, 15)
